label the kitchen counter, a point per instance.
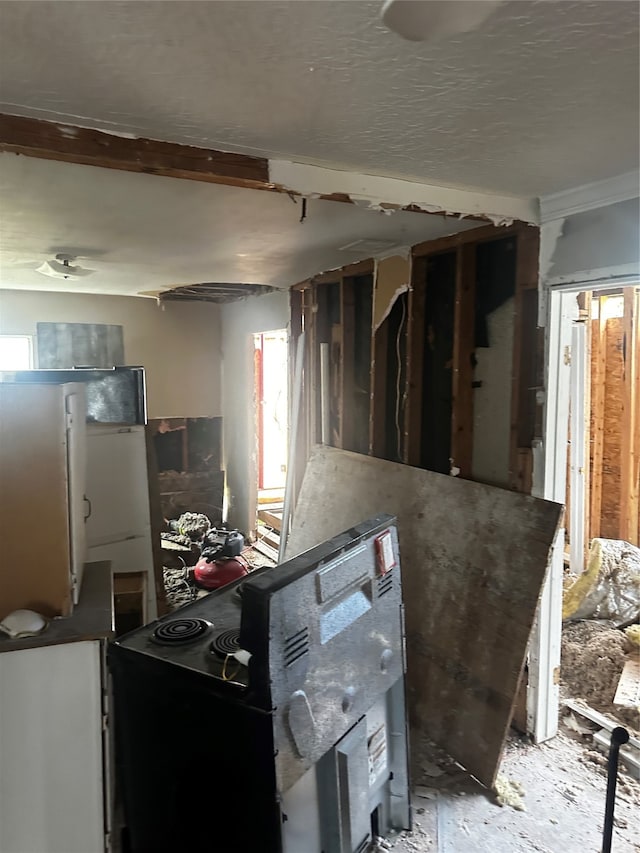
(92, 617)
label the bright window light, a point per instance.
(15, 352)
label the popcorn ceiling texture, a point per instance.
(542, 98)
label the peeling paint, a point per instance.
(379, 193)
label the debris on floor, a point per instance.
(565, 795)
(593, 657)
(509, 793)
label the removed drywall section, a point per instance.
(392, 278)
(178, 344)
(240, 321)
(492, 400)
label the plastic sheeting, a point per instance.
(609, 588)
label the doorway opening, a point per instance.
(592, 465)
(272, 425)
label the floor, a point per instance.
(560, 785)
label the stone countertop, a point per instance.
(92, 617)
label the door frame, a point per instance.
(559, 312)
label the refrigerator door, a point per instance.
(75, 408)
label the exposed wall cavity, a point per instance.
(392, 278)
(177, 344)
(240, 321)
(492, 399)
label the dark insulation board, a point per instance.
(474, 559)
(65, 345)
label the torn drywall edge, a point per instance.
(377, 191)
(400, 290)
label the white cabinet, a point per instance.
(51, 750)
(55, 788)
(119, 525)
(42, 474)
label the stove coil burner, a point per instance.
(226, 643)
(180, 631)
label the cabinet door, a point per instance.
(51, 759)
(117, 484)
(75, 407)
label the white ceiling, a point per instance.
(542, 98)
(146, 233)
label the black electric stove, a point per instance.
(270, 715)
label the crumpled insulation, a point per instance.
(610, 586)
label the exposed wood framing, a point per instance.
(463, 350)
(630, 451)
(598, 373)
(526, 352)
(347, 353)
(415, 350)
(379, 390)
(67, 143)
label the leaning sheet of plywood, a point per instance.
(473, 562)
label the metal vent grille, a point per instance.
(385, 583)
(296, 646)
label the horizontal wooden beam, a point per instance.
(69, 144)
(475, 235)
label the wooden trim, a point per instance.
(475, 235)
(630, 450)
(415, 361)
(69, 144)
(598, 377)
(463, 349)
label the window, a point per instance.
(16, 352)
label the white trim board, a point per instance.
(590, 196)
(377, 190)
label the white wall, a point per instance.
(178, 343)
(492, 400)
(240, 321)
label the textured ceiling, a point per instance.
(542, 98)
(144, 233)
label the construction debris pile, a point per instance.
(600, 671)
(198, 557)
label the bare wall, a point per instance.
(240, 321)
(178, 343)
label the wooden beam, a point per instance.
(380, 386)
(524, 367)
(415, 362)
(475, 235)
(630, 450)
(598, 376)
(463, 349)
(69, 144)
(347, 362)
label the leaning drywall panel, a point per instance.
(474, 559)
(492, 400)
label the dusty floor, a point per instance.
(563, 797)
